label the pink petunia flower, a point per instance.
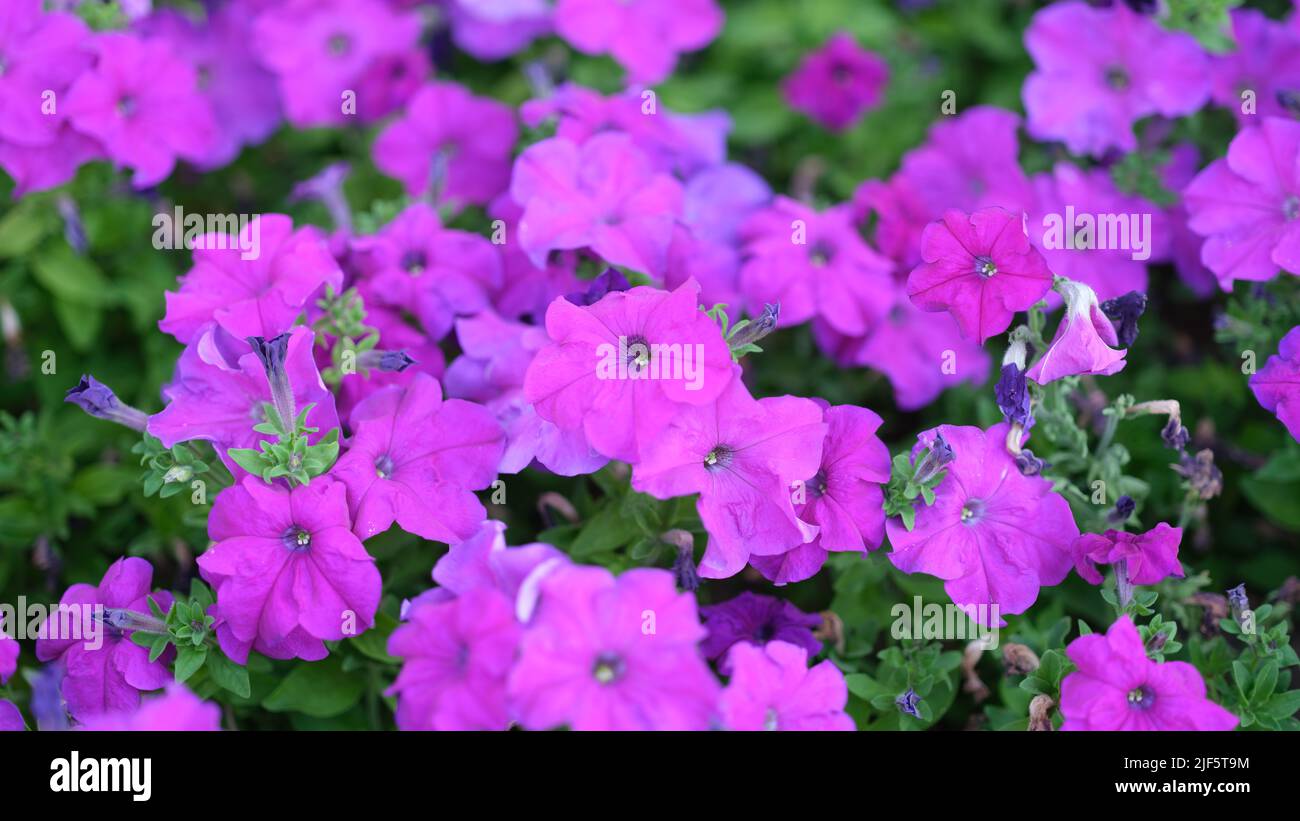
(495, 29)
(621, 369)
(1116, 687)
(643, 36)
(1277, 384)
(980, 268)
(1083, 340)
(613, 654)
(287, 570)
(1265, 62)
(772, 688)
(1088, 91)
(450, 142)
(843, 498)
(177, 710)
(8, 653)
(743, 457)
(415, 459)
(526, 289)
(485, 561)
(108, 675)
(835, 84)
(11, 719)
(1149, 557)
(993, 535)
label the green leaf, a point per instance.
(188, 661)
(228, 674)
(320, 689)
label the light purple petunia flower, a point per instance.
(1247, 205)
(1149, 557)
(643, 36)
(1277, 384)
(1116, 687)
(980, 268)
(484, 560)
(495, 29)
(457, 654)
(415, 459)
(526, 289)
(11, 719)
(613, 654)
(177, 710)
(110, 676)
(814, 265)
(752, 618)
(288, 572)
(1083, 340)
(1265, 62)
(743, 457)
(835, 84)
(843, 497)
(604, 195)
(993, 535)
(621, 369)
(772, 688)
(1098, 71)
(257, 296)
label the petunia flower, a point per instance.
(451, 143)
(1116, 687)
(993, 535)
(287, 570)
(416, 459)
(613, 654)
(8, 652)
(177, 710)
(753, 618)
(1277, 384)
(1247, 205)
(496, 29)
(980, 268)
(643, 36)
(253, 284)
(98, 400)
(526, 290)
(835, 84)
(1098, 71)
(1149, 558)
(604, 195)
(843, 498)
(772, 688)
(485, 561)
(743, 457)
(1082, 342)
(620, 370)
(395, 335)
(1266, 62)
(109, 674)
(11, 719)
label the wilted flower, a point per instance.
(98, 400)
(1148, 558)
(1083, 339)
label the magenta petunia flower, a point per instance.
(106, 672)
(1265, 62)
(142, 102)
(621, 369)
(743, 456)
(415, 459)
(1247, 205)
(326, 54)
(220, 389)
(11, 719)
(814, 265)
(416, 265)
(1277, 384)
(9, 650)
(1089, 91)
(772, 688)
(495, 29)
(253, 284)
(993, 535)
(643, 36)
(484, 560)
(980, 268)
(752, 618)
(1083, 340)
(604, 195)
(526, 289)
(613, 654)
(456, 656)
(843, 498)
(177, 710)
(450, 142)
(1149, 557)
(287, 570)
(835, 84)
(1116, 687)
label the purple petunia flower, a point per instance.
(495, 29)
(1083, 340)
(451, 143)
(993, 535)
(752, 618)
(1266, 62)
(613, 654)
(980, 268)
(415, 459)
(8, 652)
(1247, 205)
(743, 456)
(11, 720)
(772, 688)
(1116, 687)
(287, 570)
(1277, 384)
(484, 560)
(1149, 558)
(98, 400)
(177, 710)
(835, 84)
(1098, 71)
(108, 675)
(643, 36)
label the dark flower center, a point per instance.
(840, 73)
(765, 632)
(295, 538)
(1117, 78)
(415, 261)
(821, 254)
(1291, 207)
(972, 512)
(1141, 698)
(638, 353)
(384, 466)
(816, 486)
(126, 106)
(718, 457)
(339, 45)
(985, 266)
(609, 668)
